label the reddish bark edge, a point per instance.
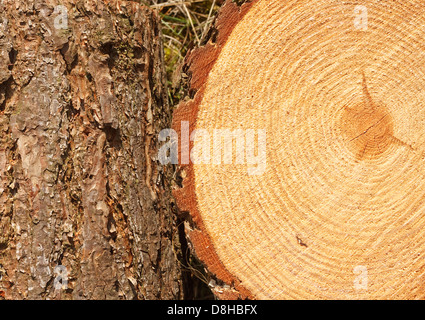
(200, 62)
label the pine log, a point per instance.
(339, 89)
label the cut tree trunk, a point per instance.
(338, 210)
(85, 209)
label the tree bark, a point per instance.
(85, 208)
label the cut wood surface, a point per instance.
(338, 212)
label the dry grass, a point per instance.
(184, 24)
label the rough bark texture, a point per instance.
(80, 187)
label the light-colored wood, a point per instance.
(339, 211)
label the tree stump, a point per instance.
(338, 210)
(85, 209)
